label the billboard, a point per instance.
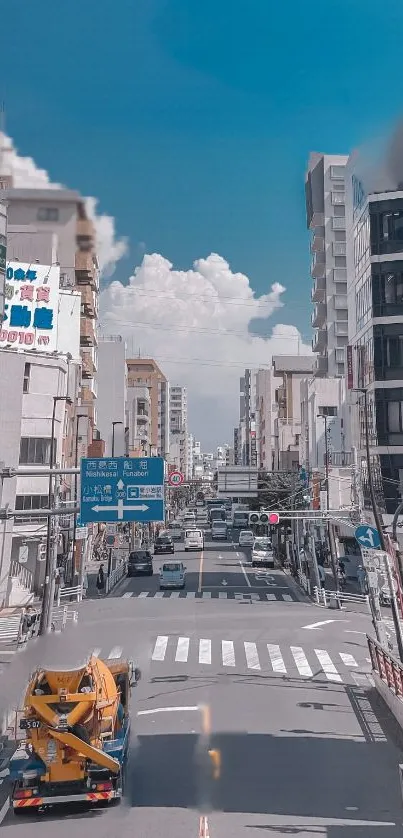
(237, 481)
(31, 307)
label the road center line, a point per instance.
(167, 710)
(201, 570)
(245, 573)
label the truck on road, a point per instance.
(76, 728)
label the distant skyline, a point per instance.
(192, 126)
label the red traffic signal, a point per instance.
(274, 518)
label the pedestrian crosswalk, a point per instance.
(10, 628)
(242, 597)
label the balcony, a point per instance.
(338, 223)
(340, 302)
(87, 395)
(318, 293)
(341, 329)
(340, 275)
(87, 334)
(84, 261)
(318, 244)
(321, 365)
(318, 266)
(341, 458)
(85, 229)
(318, 316)
(339, 248)
(319, 340)
(317, 220)
(87, 365)
(88, 301)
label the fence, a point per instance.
(74, 594)
(388, 668)
(61, 616)
(115, 576)
(304, 581)
(329, 598)
(25, 577)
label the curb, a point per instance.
(298, 590)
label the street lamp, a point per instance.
(113, 436)
(49, 585)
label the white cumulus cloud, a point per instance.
(27, 175)
(195, 324)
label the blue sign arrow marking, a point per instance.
(368, 537)
(109, 487)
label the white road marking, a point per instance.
(252, 657)
(168, 710)
(143, 595)
(159, 594)
(222, 595)
(287, 597)
(116, 652)
(190, 594)
(350, 631)
(301, 661)
(96, 653)
(205, 651)
(4, 809)
(270, 597)
(245, 573)
(127, 594)
(276, 658)
(348, 660)
(327, 665)
(160, 648)
(206, 595)
(174, 594)
(182, 650)
(323, 623)
(228, 653)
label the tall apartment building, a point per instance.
(112, 394)
(375, 303)
(3, 254)
(178, 427)
(144, 372)
(247, 446)
(288, 371)
(325, 213)
(50, 226)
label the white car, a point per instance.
(246, 538)
(219, 530)
(262, 552)
(194, 540)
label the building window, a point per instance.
(387, 291)
(387, 226)
(34, 451)
(30, 502)
(27, 373)
(363, 301)
(48, 214)
(337, 172)
(395, 417)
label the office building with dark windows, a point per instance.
(375, 318)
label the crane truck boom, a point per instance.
(77, 728)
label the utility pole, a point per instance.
(377, 517)
(330, 530)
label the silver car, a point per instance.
(262, 552)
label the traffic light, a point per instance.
(264, 518)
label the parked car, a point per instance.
(246, 538)
(163, 544)
(140, 563)
(262, 552)
(172, 575)
(219, 530)
(194, 540)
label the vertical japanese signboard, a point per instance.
(350, 370)
(31, 306)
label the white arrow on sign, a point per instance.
(324, 623)
(224, 582)
(121, 508)
(120, 484)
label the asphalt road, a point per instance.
(279, 687)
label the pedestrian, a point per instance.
(362, 579)
(85, 585)
(322, 575)
(101, 580)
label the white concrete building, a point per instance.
(112, 394)
(325, 210)
(178, 428)
(288, 371)
(191, 441)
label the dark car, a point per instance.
(163, 544)
(140, 563)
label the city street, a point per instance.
(279, 687)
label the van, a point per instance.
(172, 575)
(219, 530)
(194, 540)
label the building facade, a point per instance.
(112, 394)
(145, 372)
(325, 212)
(178, 428)
(288, 371)
(3, 255)
(247, 439)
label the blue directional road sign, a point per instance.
(368, 537)
(122, 489)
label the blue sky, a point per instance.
(192, 122)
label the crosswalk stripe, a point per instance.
(270, 597)
(228, 653)
(276, 658)
(175, 594)
(252, 657)
(159, 594)
(160, 648)
(116, 652)
(286, 597)
(204, 651)
(182, 649)
(96, 653)
(190, 594)
(143, 595)
(327, 665)
(301, 661)
(222, 595)
(127, 594)
(206, 595)
(348, 660)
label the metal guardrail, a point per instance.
(389, 669)
(25, 576)
(115, 576)
(74, 594)
(304, 581)
(61, 616)
(324, 597)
